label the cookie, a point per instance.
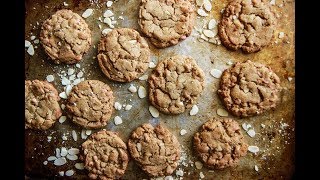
(175, 84)
(155, 149)
(247, 25)
(90, 104)
(65, 37)
(123, 55)
(42, 107)
(219, 143)
(166, 22)
(105, 155)
(249, 88)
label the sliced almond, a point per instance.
(142, 92)
(30, 50)
(207, 5)
(108, 13)
(208, 33)
(117, 120)
(253, 149)
(79, 166)
(212, 23)
(183, 132)
(27, 43)
(60, 161)
(132, 88)
(251, 133)
(154, 112)
(50, 78)
(216, 73)
(72, 157)
(194, 110)
(222, 112)
(74, 135)
(106, 31)
(73, 151)
(198, 164)
(199, 2)
(69, 172)
(143, 77)
(52, 158)
(87, 13)
(201, 12)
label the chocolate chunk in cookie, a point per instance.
(156, 150)
(105, 155)
(123, 55)
(249, 88)
(65, 37)
(90, 104)
(41, 105)
(175, 84)
(166, 22)
(219, 143)
(247, 25)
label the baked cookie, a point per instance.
(105, 155)
(41, 105)
(166, 22)
(65, 37)
(175, 84)
(247, 25)
(123, 55)
(156, 150)
(90, 104)
(249, 88)
(220, 143)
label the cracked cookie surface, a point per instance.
(105, 155)
(41, 105)
(155, 149)
(123, 55)
(249, 88)
(90, 104)
(219, 143)
(65, 37)
(247, 25)
(175, 84)
(166, 22)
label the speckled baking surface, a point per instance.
(276, 141)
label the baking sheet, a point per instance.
(276, 141)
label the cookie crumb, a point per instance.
(154, 112)
(183, 132)
(194, 110)
(289, 79)
(179, 172)
(142, 92)
(65, 4)
(272, 2)
(263, 126)
(256, 168)
(222, 112)
(87, 13)
(45, 162)
(117, 120)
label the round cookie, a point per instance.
(123, 55)
(41, 105)
(220, 143)
(156, 150)
(249, 88)
(166, 22)
(247, 25)
(175, 84)
(105, 155)
(90, 104)
(65, 37)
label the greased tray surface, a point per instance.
(276, 140)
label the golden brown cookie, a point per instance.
(90, 104)
(219, 143)
(175, 84)
(105, 155)
(156, 150)
(249, 88)
(247, 25)
(166, 22)
(65, 37)
(123, 55)
(41, 105)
